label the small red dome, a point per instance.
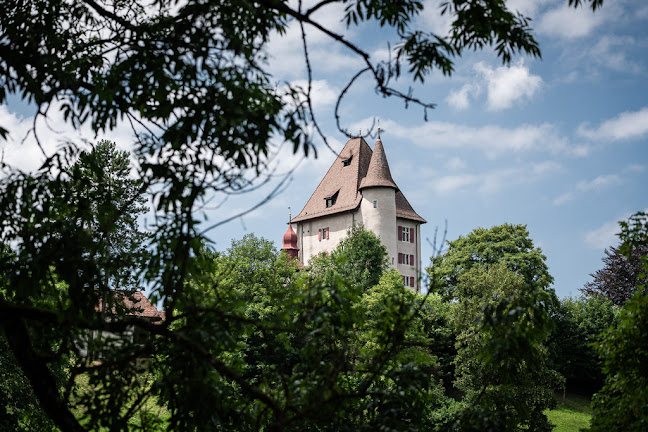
(289, 239)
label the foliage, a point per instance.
(502, 362)
(331, 356)
(579, 322)
(359, 258)
(618, 279)
(19, 405)
(622, 403)
(112, 202)
(191, 78)
(483, 248)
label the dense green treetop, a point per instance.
(360, 258)
(508, 244)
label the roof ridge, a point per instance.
(335, 178)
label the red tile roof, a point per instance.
(355, 168)
(136, 304)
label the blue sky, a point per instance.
(559, 144)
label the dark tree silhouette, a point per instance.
(618, 279)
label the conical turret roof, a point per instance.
(378, 174)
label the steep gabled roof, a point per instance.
(357, 167)
(340, 179)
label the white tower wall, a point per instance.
(381, 218)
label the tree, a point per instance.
(335, 355)
(191, 78)
(579, 323)
(114, 201)
(502, 362)
(618, 279)
(622, 403)
(360, 258)
(19, 407)
(483, 248)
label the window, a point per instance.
(347, 162)
(405, 259)
(323, 234)
(375, 203)
(406, 234)
(408, 281)
(330, 201)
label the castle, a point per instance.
(359, 188)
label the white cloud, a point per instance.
(490, 182)
(508, 84)
(455, 163)
(545, 167)
(432, 20)
(568, 22)
(322, 93)
(634, 168)
(606, 235)
(581, 187)
(492, 140)
(528, 8)
(460, 99)
(13, 150)
(611, 52)
(603, 236)
(452, 183)
(286, 51)
(21, 150)
(627, 125)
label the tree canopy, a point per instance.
(360, 258)
(619, 278)
(483, 248)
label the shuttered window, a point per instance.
(323, 234)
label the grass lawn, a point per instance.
(571, 414)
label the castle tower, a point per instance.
(359, 188)
(290, 243)
(378, 205)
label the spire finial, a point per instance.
(360, 132)
(289, 214)
(378, 128)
